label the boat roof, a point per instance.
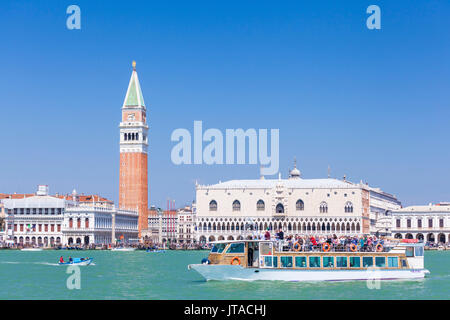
(393, 242)
(246, 240)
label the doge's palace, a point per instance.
(236, 209)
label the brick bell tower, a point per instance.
(133, 180)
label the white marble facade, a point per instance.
(298, 206)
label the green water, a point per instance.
(141, 275)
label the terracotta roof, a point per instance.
(16, 195)
(81, 198)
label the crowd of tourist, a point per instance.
(334, 243)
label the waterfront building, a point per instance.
(430, 223)
(45, 220)
(162, 226)
(2, 223)
(133, 175)
(381, 203)
(298, 206)
(36, 219)
(185, 222)
(87, 224)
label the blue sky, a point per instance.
(372, 104)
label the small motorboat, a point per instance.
(78, 262)
(123, 249)
(31, 249)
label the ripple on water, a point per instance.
(138, 275)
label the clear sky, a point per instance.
(372, 104)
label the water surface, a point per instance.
(142, 275)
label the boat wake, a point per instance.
(46, 263)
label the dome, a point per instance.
(294, 173)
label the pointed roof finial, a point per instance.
(134, 96)
(294, 173)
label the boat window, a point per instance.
(265, 248)
(328, 262)
(286, 262)
(418, 251)
(404, 263)
(300, 262)
(275, 262)
(314, 262)
(393, 262)
(410, 251)
(218, 247)
(236, 248)
(268, 261)
(380, 262)
(367, 262)
(355, 262)
(341, 262)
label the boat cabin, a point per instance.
(274, 254)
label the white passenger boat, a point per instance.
(123, 249)
(266, 260)
(31, 249)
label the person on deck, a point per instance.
(267, 235)
(280, 235)
(61, 259)
(70, 259)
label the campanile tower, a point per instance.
(133, 180)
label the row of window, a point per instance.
(419, 223)
(332, 262)
(315, 261)
(35, 211)
(131, 136)
(319, 226)
(38, 228)
(299, 206)
(86, 223)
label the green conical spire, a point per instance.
(134, 95)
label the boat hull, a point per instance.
(77, 263)
(236, 272)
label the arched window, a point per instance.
(125, 136)
(137, 136)
(323, 208)
(236, 205)
(348, 207)
(260, 206)
(213, 205)
(70, 223)
(299, 205)
(279, 208)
